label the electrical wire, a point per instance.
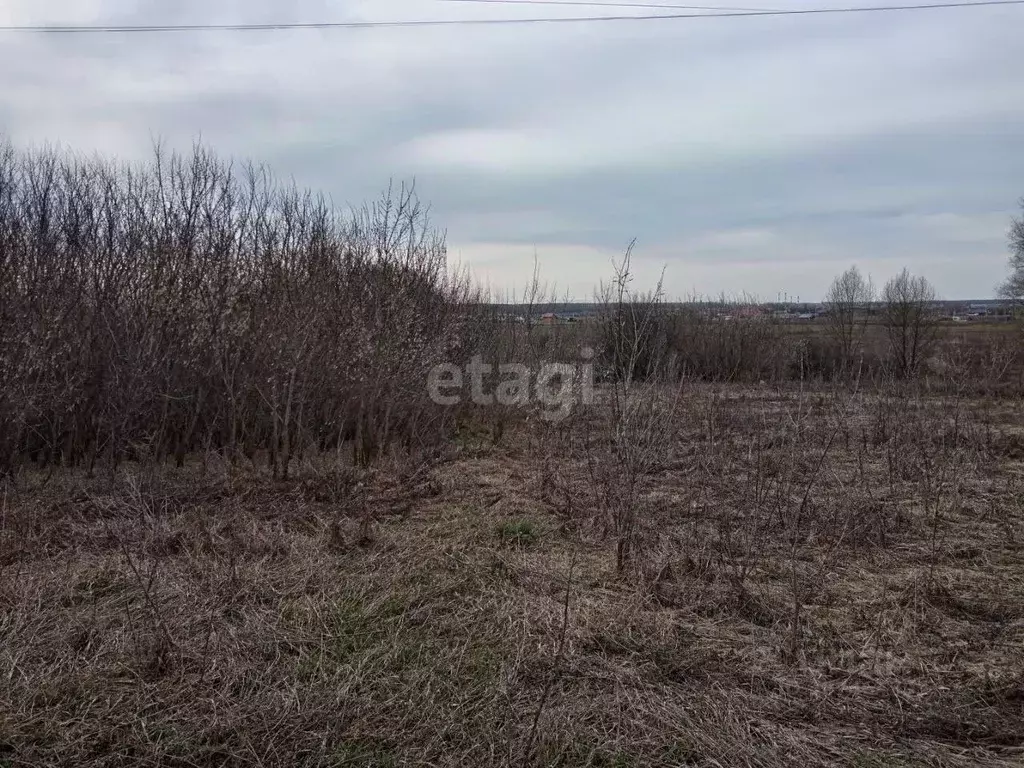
(669, 7)
(280, 27)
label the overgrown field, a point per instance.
(722, 575)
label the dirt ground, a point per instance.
(814, 579)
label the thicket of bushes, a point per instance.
(188, 303)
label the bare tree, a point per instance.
(847, 304)
(1013, 288)
(910, 320)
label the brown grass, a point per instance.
(414, 616)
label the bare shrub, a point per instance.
(846, 307)
(910, 322)
(641, 405)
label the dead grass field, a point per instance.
(819, 580)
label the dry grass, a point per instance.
(865, 609)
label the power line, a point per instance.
(608, 5)
(118, 29)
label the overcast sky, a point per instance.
(756, 155)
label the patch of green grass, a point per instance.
(875, 760)
(95, 585)
(518, 532)
(361, 755)
(680, 753)
(613, 760)
(482, 664)
(394, 607)
(592, 757)
(352, 629)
